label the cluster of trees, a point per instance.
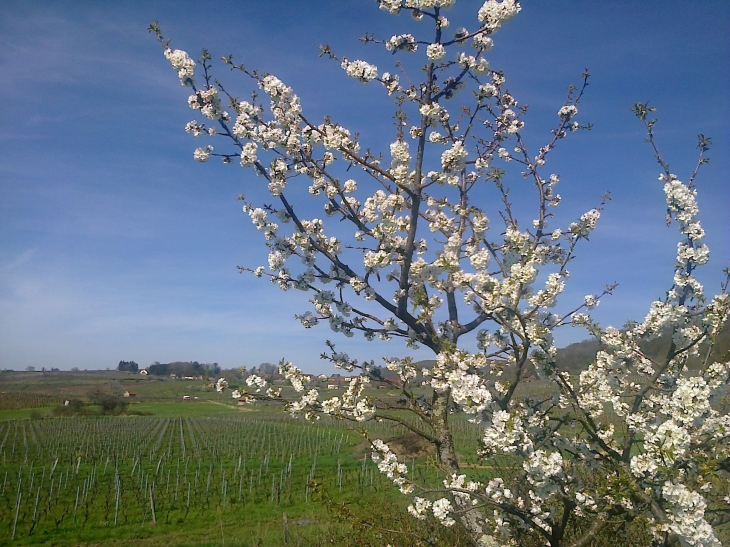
(98, 401)
(127, 366)
(31, 368)
(184, 368)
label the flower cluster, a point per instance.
(221, 384)
(402, 42)
(360, 70)
(435, 52)
(494, 14)
(184, 65)
(388, 464)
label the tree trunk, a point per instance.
(472, 519)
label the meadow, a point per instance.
(207, 471)
(203, 472)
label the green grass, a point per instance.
(244, 467)
(68, 385)
(165, 410)
(188, 409)
(24, 413)
(218, 470)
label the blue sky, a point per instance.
(115, 244)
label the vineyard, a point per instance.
(134, 477)
(17, 400)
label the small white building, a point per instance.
(333, 386)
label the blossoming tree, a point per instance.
(406, 250)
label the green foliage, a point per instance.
(127, 366)
(184, 368)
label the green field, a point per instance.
(168, 471)
(199, 472)
(208, 479)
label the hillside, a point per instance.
(578, 356)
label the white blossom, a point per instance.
(493, 14)
(184, 65)
(203, 153)
(360, 70)
(568, 111)
(221, 384)
(435, 52)
(404, 42)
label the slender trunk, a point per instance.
(472, 519)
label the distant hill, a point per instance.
(576, 357)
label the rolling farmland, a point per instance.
(134, 477)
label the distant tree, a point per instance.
(184, 368)
(158, 369)
(266, 370)
(128, 366)
(30, 368)
(109, 403)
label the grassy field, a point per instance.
(170, 472)
(229, 477)
(68, 385)
(199, 472)
(177, 409)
